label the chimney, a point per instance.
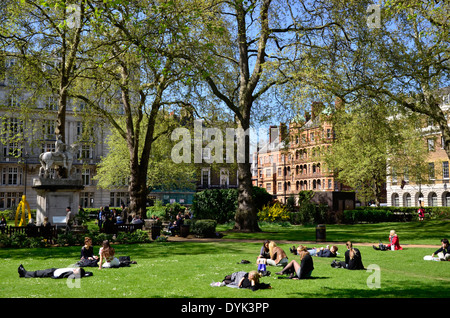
(316, 109)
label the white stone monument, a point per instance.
(55, 194)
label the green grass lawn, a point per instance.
(186, 269)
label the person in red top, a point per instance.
(394, 243)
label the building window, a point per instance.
(87, 199)
(430, 143)
(407, 200)
(395, 200)
(119, 198)
(269, 186)
(86, 176)
(431, 173)
(224, 177)
(445, 174)
(49, 130)
(447, 199)
(432, 199)
(12, 176)
(9, 199)
(85, 152)
(205, 177)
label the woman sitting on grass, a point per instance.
(352, 261)
(302, 270)
(277, 255)
(107, 255)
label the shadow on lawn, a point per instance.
(413, 290)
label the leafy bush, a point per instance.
(221, 204)
(19, 240)
(215, 204)
(158, 210)
(310, 213)
(274, 213)
(203, 228)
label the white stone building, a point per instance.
(25, 135)
(435, 191)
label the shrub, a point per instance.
(215, 204)
(310, 213)
(221, 204)
(274, 213)
(158, 210)
(203, 228)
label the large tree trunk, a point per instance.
(138, 191)
(246, 218)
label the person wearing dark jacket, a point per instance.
(353, 259)
(243, 279)
(444, 251)
(56, 273)
(324, 252)
(302, 270)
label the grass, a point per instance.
(186, 269)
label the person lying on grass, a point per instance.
(319, 252)
(243, 279)
(54, 273)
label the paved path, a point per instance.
(193, 239)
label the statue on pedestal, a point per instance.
(62, 156)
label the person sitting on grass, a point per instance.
(107, 254)
(302, 270)
(394, 243)
(277, 255)
(444, 252)
(353, 259)
(56, 273)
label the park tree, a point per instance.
(374, 141)
(135, 75)
(46, 40)
(261, 43)
(162, 174)
(395, 52)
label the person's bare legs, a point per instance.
(292, 264)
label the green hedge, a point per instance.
(392, 214)
(202, 228)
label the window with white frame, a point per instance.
(430, 143)
(87, 199)
(86, 176)
(85, 152)
(206, 177)
(224, 177)
(431, 172)
(9, 199)
(49, 130)
(11, 176)
(445, 174)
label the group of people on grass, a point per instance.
(272, 255)
(105, 259)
